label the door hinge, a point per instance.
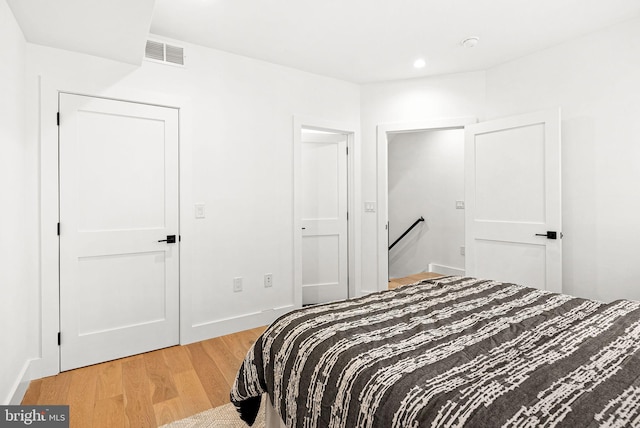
(58, 229)
(347, 215)
(59, 335)
(58, 118)
(347, 151)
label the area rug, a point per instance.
(219, 417)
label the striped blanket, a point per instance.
(449, 352)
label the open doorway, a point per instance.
(426, 191)
(512, 206)
(324, 247)
(324, 206)
(404, 196)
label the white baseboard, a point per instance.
(445, 270)
(221, 327)
(16, 394)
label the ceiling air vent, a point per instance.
(164, 53)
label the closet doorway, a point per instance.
(324, 217)
(325, 259)
(118, 229)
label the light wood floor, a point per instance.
(397, 282)
(148, 390)
(153, 389)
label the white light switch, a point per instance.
(370, 207)
(199, 210)
(460, 205)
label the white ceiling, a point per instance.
(114, 29)
(375, 40)
(355, 40)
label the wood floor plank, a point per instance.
(138, 408)
(239, 343)
(398, 282)
(169, 411)
(211, 378)
(32, 395)
(160, 379)
(150, 389)
(109, 381)
(55, 389)
(82, 395)
(109, 412)
(131, 358)
(192, 394)
(257, 332)
(226, 361)
(177, 358)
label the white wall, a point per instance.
(595, 80)
(18, 257)
(236, 158)
(426, 177)
(441, 97)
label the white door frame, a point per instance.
(300, 122)
(47, 362)
(382, 180)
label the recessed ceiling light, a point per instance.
(470, 42)
(419, 63)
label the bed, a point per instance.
(445, 352)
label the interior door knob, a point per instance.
(550, 234)
(171, 239)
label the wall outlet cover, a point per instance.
(237, 284)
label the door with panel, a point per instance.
(119, 238)
(324, 217)
(513, 217)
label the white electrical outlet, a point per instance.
(237, 284)
(459, 205)
(462, 251)
(268, 280)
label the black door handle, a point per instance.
(549, 235)
(171, 239)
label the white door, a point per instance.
(513, 208)
(324, 218)
(118, 201)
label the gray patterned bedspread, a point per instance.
(449, 352)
